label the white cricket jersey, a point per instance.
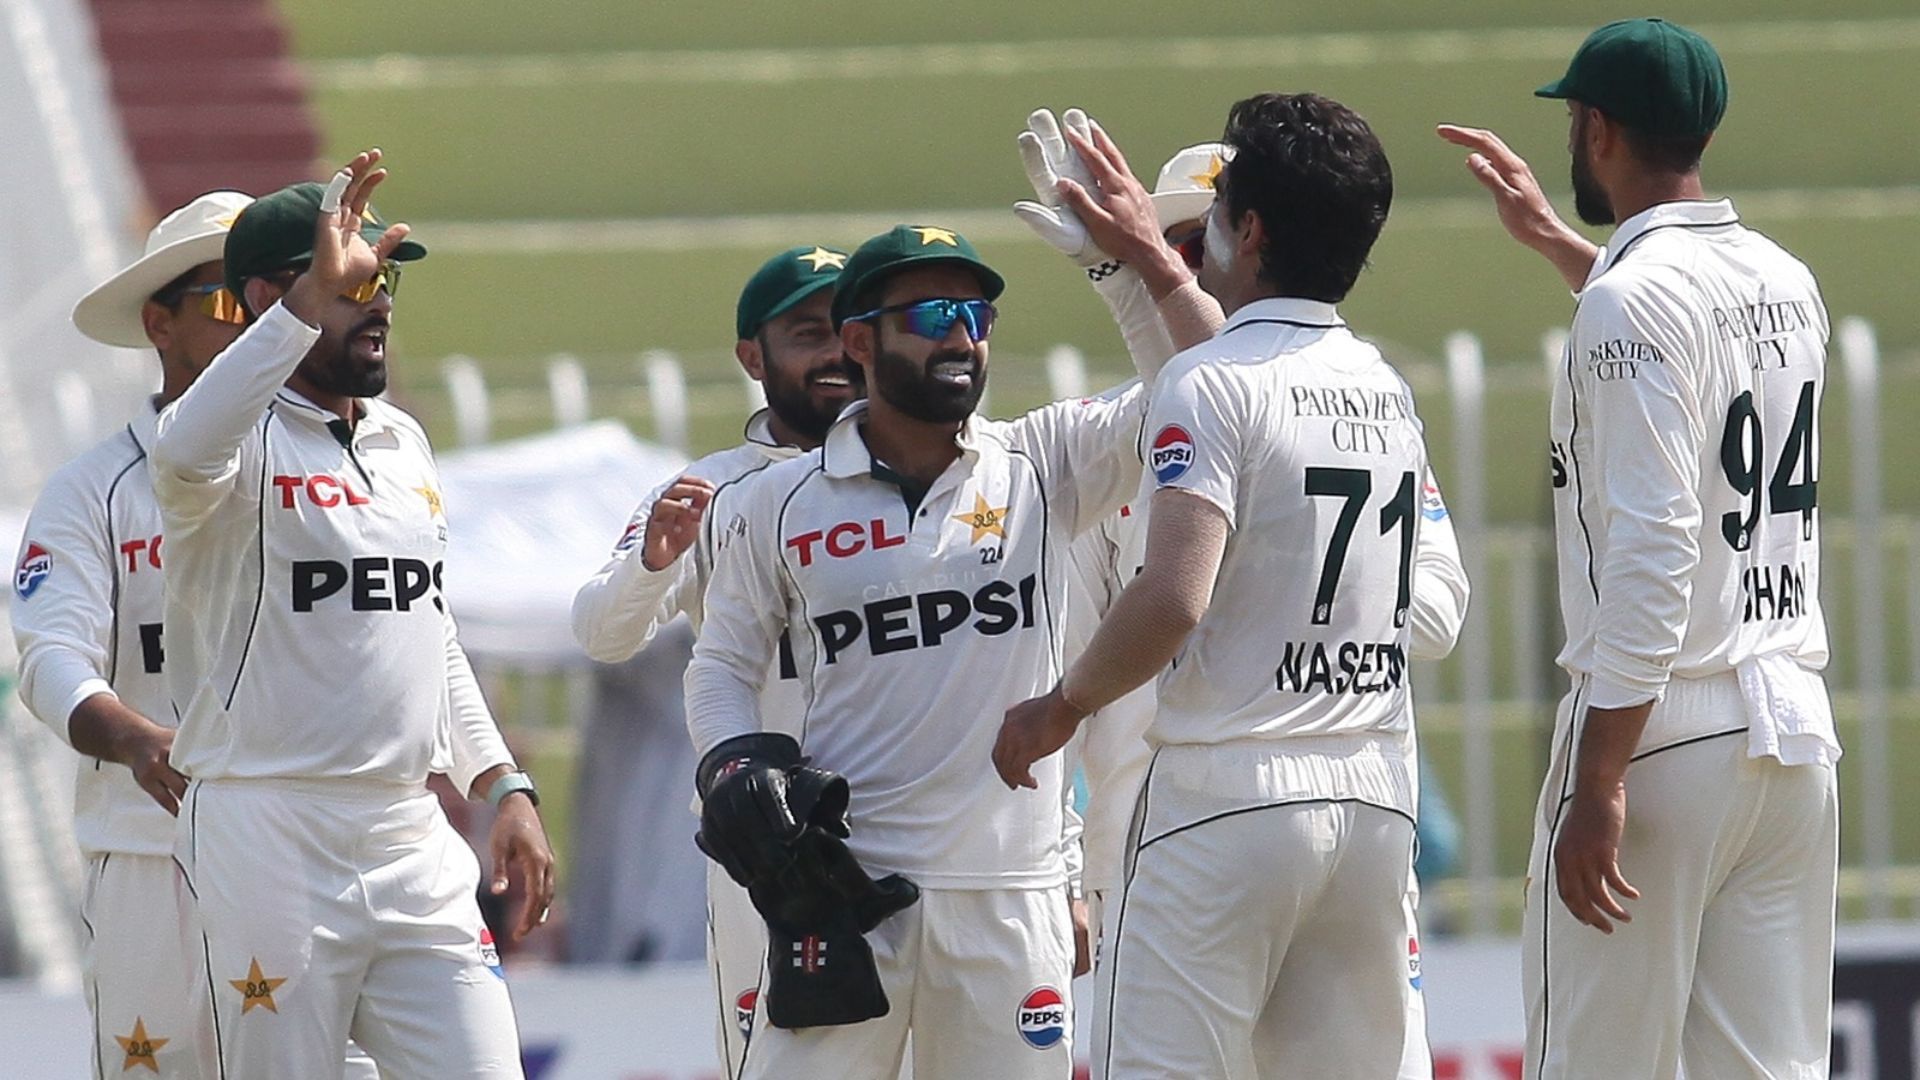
(1684, 460)
(914, 631)
(307, 634)
(1113, 748)
(88, 590)
(619, 610)
(1307, 440)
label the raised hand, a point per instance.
(342, 258)
(674, 522)
(1523, 208)
(1048, 160)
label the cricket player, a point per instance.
(914, 562)
(87, 618)
(1680, 896)
(1271, 854)
(659, 567)
(1112, 747)
(318, 679)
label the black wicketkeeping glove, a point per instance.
(747, 821)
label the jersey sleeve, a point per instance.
(62, 607)
(746, 611)
(1634, 368)
(1088, 452)
(203, 436)
(1138, 318)
(1440, 588)
(1194, 435)
(474, 734)
(620, 609)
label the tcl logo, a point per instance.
(140, 553)
(378, 583)
(323, 490)
(845, 539)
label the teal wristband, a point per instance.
(510, 783)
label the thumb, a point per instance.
(1051, 226)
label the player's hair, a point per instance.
(1679, 154)
(1317, 177)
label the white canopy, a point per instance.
(529, 521)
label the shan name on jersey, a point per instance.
(1346, 667)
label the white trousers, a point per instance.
(1726, 971)
(146, 973)
(736, 955)
(336, 909)
(980, 980)
(1259, 941)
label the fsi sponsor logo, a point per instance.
(490, 954)
(743, 1012)
(35, 565)
(1043, 1018)
(1172, 454)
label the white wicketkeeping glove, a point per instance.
(1048, 158)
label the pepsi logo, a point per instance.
(630, 537)
(1431, 504)
(1171, 454)
(1043, 1018)
(743, 1012)
(490, 953)
(35, 565)
(1413, 961)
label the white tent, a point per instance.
(529, 521)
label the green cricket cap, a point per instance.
(783, 281)
(1649, 74)
(903, 247)
(275, 232)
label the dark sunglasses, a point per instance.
(934, 319)
(1191, 245)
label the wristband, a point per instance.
(510, 783)
(1104, 270)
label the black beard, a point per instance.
(1590, 202)
(912, 389)
(789, 400)
(331, 366)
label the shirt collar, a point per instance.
(1295, 310)
(144, 428)
(844, 453)
(759, 429)
(1692, 213)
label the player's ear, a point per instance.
(747, 351)
(857, 339)
(260, 295)
(157, 321)
(1252, 237)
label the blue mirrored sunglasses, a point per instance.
(934, 319)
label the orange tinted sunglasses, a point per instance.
(219, 304)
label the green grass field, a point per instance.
(598, 178)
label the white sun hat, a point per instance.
(194, 234)
(1185, 188)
